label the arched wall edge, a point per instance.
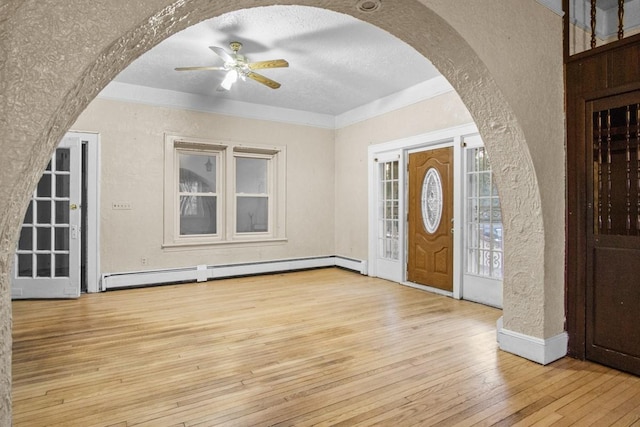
(50, 75)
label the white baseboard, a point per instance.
(351, 264)
(543, 351)
(201, 273)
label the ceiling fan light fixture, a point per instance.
(229, 79)
(368, 5)
(237, 66)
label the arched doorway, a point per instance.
(59, 57)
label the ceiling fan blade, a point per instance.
(198, 68)
(222, 53)
(264, 80)
(274, 63)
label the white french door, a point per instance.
(47, 260)
(483, 265)
(389, 248)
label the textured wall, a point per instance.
(505, 62)
(132, 169)
(516, 99)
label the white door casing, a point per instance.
(451, 137)
(474, 286)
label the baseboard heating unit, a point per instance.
(202, 273)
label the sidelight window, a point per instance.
(484, 249)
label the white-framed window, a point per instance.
(198, 192)
(484, 244)
(252, 195)
(222, 192)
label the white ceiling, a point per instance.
(337, 63)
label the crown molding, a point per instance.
(412, 95)
(209, 104)
(187, 101)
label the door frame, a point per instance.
(587, 78)
(450, 137)
(90, 145)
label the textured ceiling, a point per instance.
(336, 62)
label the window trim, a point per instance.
(227, 152)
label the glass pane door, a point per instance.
(483, 265)
(47, 261)
(386, 227)
(484, 218)
(388, 216)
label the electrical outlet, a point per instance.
(122, 206)
(144, 260)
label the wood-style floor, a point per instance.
(321, 347)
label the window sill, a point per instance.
(225, 243)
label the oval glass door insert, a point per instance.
(431, 200)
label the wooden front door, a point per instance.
(613, 232)
(430, 240)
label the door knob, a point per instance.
(73, 207)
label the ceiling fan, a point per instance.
(237, 66)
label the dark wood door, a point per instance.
(613, 234)
(430, 240)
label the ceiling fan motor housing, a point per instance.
(236, 65)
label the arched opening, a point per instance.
(49, 94)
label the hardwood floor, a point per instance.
(321, 347)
